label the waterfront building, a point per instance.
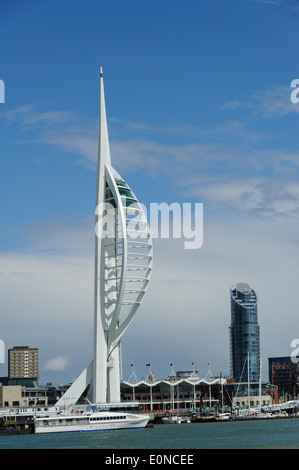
(253, 400)
(10, 395)
(244, 335)
(192, 392)
(175, 393)
(23, 365)
(239, 395)
(123, 264)
(21, 396)
(284, 374)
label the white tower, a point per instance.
(123, 264)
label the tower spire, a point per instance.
(123, 264)
(104, 147)
(100, 334)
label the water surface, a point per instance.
(264, 434)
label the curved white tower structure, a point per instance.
(123, 264)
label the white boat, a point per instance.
(224, 417)
(91, 421)
(172, 420)
(175, 420)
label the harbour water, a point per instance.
(259, 434)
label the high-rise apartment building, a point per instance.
(244, 334)
(23, 363)
(285, 375)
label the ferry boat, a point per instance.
(92, 421)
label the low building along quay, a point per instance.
(182, 395)
(152, 395)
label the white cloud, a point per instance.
(47, 302)
(270, 103)
(74, 235)
(29, 115)
(218, 169)
(79, 141)
(47, 297)
(186, 313)
(223, 163)
(288, 4)
(262, 196)
(57, 364)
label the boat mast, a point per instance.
(248, 380)
(260, 385)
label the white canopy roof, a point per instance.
(173, 383)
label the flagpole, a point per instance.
(150, 375)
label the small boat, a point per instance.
(224, 417)
(90, 421)
(203, 419)
(172, 420)
(175, 420)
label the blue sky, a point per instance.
(199, 110)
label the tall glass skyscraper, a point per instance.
(244, 334)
